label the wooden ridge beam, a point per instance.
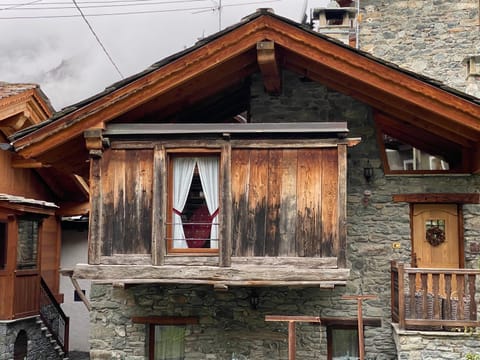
(267, 61)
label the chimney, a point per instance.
(473, 75)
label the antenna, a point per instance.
(218, 7)
(303, 15)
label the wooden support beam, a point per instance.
(360, 299)
(77, 288)
(267, 62)
(20, 163)
(291, 328)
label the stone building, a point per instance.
(271, 171)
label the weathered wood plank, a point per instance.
(288, 207)
(330, 203)
(225, 218)
(240, 192)
(274, 179)
(257, 202)
(293, 143)
(117, 167)
(210, 274)
(96, 203)
(158, 206)
(341, 248)
(301, 262)
(127, 259)
(308, 202)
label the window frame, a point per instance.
(330, 329)
(34, 265)
(152, 321)
(188, 152)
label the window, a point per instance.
(3, 245)
(404, 157)
(342, 343)
(168, 342)
(27, 248)
(166, 335)
(193, 203)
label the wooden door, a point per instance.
(436, 240)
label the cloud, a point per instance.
(63, 56)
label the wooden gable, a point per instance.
(220, 66)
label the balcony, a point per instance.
(433, 299)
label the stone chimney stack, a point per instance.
(473, 75)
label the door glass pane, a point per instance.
(344, 344)
(169, 342)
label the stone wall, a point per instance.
(429, 37)
(413, 345)
(39, 346)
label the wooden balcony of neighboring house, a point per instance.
(433, 299)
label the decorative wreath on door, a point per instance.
(435, 236)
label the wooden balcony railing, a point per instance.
(433, 299)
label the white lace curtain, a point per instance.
(183, 169)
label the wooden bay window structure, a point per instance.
(219, 204)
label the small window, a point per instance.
(3, 245)
(342, 343)
(27, 245)
(404, 157)
(168, 342)
(193, 204)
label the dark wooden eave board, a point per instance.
(446, 198)
(234, 128)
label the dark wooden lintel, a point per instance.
(340, 321)
(165, 320)
(446, 198)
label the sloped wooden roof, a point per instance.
(218, 68)
(26, 106)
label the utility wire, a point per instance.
(104, 14)
(18, 6)
(199, 9)
(109, 5)
(100, 2)
(98, 40)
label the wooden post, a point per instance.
(291, 328)
(360, 298)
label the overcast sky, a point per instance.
(63, 56)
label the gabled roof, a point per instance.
(22, 106)
(219, 67)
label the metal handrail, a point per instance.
(53, 316)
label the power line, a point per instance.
(98, 39)
(108, 5)
(18, 6)
(99, 2)
(190, 9)
(103, 14)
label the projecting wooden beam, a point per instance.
(20, 163)
(267, 62)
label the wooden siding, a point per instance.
(21, 182)
(126, 186)
(285, 202)
(50, 252)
